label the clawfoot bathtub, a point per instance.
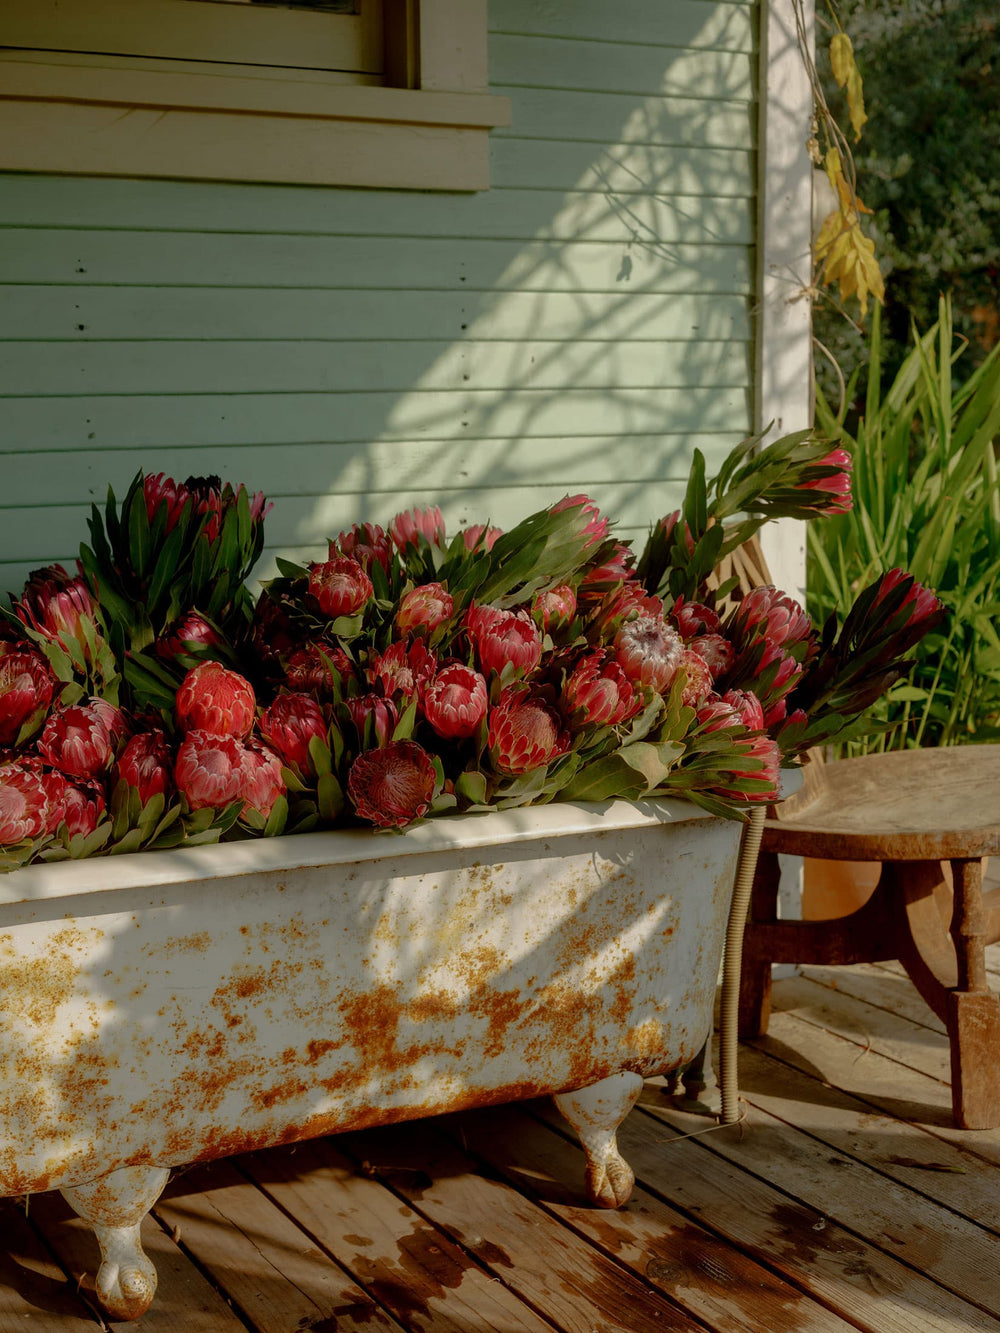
(165, 1008)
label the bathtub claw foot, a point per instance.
(595, 1113)
(115, 1205)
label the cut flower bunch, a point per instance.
(148, 701)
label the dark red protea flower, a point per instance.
(82, 807)
(503, 638)
(766, 750)
(524, 732)
(404, 670)
(776, 674)
(597, 692)
(145, 764)
(596, 528)
(649, 651)
(261, 782)
(747, 705)
(455, 702)
(24, 805)
(272, 632)
(209, 770)
(206, 492)
(56, 603)
(318, 669)
(692, 619)
(554, 610)
(481, 537)
(190, 632)
(717, 651)
(26, 686)
(774, 614)
(289, 724)
(424, 608)
(341, 587)
(383, 712)
(698, 678)
(214, 699)
(923, 603)
(80, 740)
(393, 785)
(407, 528)
(365, 543)
(160, 490)
(837, 484)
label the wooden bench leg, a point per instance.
(755, 976)
(973, 1010)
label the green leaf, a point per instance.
(329, 798)
(471, 786)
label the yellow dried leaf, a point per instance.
(841, 57)
(856, 103)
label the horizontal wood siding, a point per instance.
(584, 325)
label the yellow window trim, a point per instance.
(130, 115)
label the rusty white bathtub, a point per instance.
(164, 1008)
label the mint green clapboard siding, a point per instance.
(582, 326)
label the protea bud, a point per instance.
(24, 805)
(837, 484)
(366, 543)
(616, 569)
(922, 602)
(191, 633)
(407, 528)
(56, 605)
(209, 770)
(503, 638)
(597, 692)
(318, 669)
(393, 785)
(717, 652)
(289, 724)
(404, 670)
(773, 614)
(80, 740)
(554, 610)
(145, 764)
(341, 587)
(82, 807)
(383, 712)
(620, 605)
(214, 699)
(596, 527)
(455, 702)
(649, 651)
(762, 748)
(524, 732)
(717, 715)
(748, 706)
(698, 679)
(26, 686)
(272, 632)
(692, 619)
(424, 608)
(665, 530)
(159, 490)
(481, 537)
(261, 782)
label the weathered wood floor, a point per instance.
(848, 1202)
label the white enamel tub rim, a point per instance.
(331, 847)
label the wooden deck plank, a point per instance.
(404, 1262)
(35, 1292)
(713, 1281)
(266, 1264)
(573, 1285)
(909, 1155)
(893, 993)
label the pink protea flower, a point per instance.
(384, 713)
(777, 616)
(748, 706)
(837, 485)
(405, 669)
(698, 682)
(649, 651)
(616, 569)
(256, 503)
(765, 749)
(392, 786)
(214, 699)
(80, 740)
(82, 806)
(209, 770)
(289, 724)
(145, 764)
(596, 527)
(26, 686)
(692, 619)
(24, 805)
(554, 610)
(366, 543)
(424, 608)
(503, 638)
(190, 632)
(57, 604)
(159, 490)
(717, 651)
(788, 671)
(317, 668)
(623, 604)
(260, 780)
(455, 702)
(341, 587)
(481, 537)
(717, 715)
(407, 528)
(597, 692)
(922, 602)
(524, 732)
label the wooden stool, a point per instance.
(909, 810)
